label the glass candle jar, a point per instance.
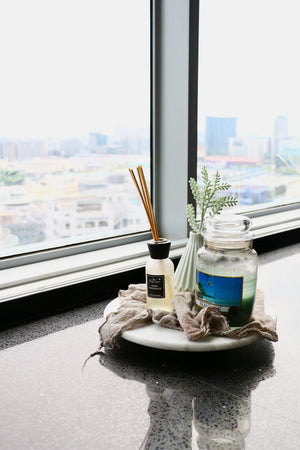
(226, 268)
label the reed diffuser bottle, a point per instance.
(159, 268)
(160, 276)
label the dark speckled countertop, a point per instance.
(135, 397)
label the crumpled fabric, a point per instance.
(133, 313)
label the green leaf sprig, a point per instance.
(207, 198)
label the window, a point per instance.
(75, 115)
(174, 48)
(248, 120)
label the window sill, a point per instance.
(275, 222)
(46, 275)
(61, 272)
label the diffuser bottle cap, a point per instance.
(159, 249)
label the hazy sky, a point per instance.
(249, 62)
(67, 68)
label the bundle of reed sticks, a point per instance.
(145, 197)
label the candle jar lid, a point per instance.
(231, 228)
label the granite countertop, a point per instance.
(135, 397)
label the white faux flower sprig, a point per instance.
(208, 199)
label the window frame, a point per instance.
(174, 45)
(165, 144)
(84, 247)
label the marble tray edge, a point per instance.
(154, 336)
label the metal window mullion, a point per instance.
(175, 66)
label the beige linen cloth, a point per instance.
(133, 313)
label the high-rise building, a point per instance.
(280, 133)
(255, 147)
(218, 131)
(22, 150)
(97, 140)
(281, 127)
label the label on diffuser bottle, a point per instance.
(224, 292)
(156, 286)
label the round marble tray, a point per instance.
(153, 335)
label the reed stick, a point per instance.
(145, 197)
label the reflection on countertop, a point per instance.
(195, 401)
(135, 397)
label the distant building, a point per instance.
(218, 131)
(22, 150)
(251, 194)
(281, 127)
(23, 219)
(97, 140)
(255, 147)
(289, 152)
(7, 150)
(227, 161)
(96, 211)
(280, 132)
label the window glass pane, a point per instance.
(248, 118)
(74, 115)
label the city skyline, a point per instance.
(144, 130)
